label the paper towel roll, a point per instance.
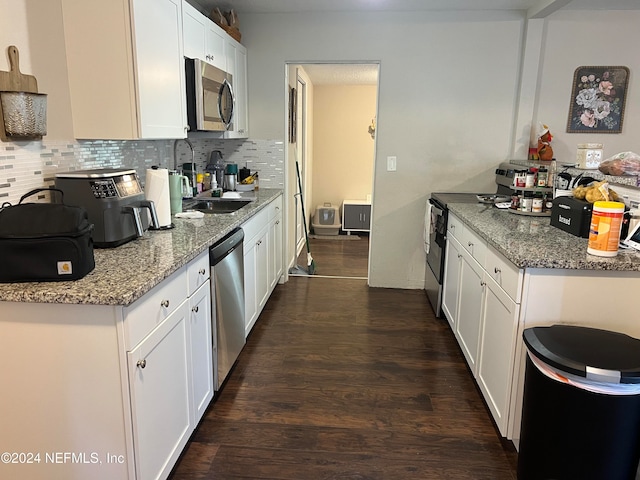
(157, 189)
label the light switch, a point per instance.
(391, 164)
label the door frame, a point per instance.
(290, 182)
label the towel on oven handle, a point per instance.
(42, 242)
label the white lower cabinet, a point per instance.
(451, 282)
(201, 347)
(170, 370)
(494, 372)
(263, 259)
(256, 278)
(483, 316)
(250, 303)
(159, 382)
(471, 292)
(276, 259)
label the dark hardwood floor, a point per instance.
(338, 256)
(342, 381)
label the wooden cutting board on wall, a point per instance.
(14, 80)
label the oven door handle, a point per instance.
(435, 210)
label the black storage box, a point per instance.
(44, 242)
(572, 215)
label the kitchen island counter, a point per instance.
(531, 242)
(507, 272)
(125, 273)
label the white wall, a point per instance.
(35, 27)
(448, 84)
(589, 38)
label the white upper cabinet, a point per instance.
(207, 41)
(193, 32)
(236, 55)
(203, 39)
(215, 38)
(126, 68)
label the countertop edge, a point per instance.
(536, 251)
(79, 292)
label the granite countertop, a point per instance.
(531, 242)
(125, 273)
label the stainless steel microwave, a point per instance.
(210, 99)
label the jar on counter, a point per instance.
(548, 201)
(519, 178)
(527, 202)
(542, 177)
(515, 201)
(530, 178)
(536, 204)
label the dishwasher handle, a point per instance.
(230, 242)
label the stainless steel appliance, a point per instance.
(226, 259)
(114, 201)
(210, 99)
(437, 226)
(436, 229)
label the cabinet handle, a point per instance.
(277, 222)
(202, 271)
(141, 363)
(497, 270)
(165, 303)
(195, 309)
(459, 256)
(482, 284)
(470, 244)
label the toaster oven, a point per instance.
(114, 200)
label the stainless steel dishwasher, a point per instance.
(227, 298)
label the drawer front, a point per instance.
(145, 314)
(475, 245)
(256, 223)
(275, 208)
(505, 273)
(198, 272)
(455, 227)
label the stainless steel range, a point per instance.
(439, 211)
(436, 229)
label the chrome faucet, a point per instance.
(193, 161)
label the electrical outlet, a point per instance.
(391, 164)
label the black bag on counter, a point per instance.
(42, 242)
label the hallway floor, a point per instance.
(338, 256)
(342, 381)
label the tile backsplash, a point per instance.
(28, 165)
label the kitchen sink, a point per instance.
(217, 206)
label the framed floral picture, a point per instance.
(597, 100)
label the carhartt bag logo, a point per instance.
(65, 268)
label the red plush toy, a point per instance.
(545, 152)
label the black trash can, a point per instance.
(581, 407)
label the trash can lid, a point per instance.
(598, 355)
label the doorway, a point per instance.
(334, 145)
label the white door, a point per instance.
(497, 351)
(469, 308)
(160, 383)
(301, 157)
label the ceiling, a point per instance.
(367, 74)
(297, 6)
(342, 73)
